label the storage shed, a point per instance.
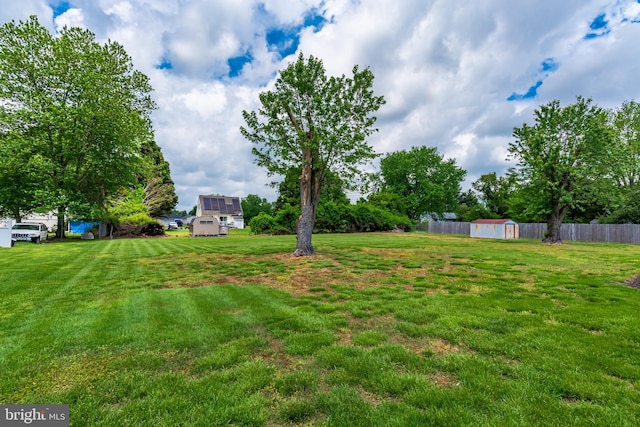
(495, 229)
(206, 226)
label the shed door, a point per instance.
(510, 230)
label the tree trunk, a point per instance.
(309, 193)
(554, 222)
(60, 231)
(304, 231)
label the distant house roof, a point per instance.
(216, 205)
(445, 216)
(492, 221)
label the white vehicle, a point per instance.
(29, 232)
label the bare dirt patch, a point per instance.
(444, 380)
(375, 399)
(441, 346)
(633, 283)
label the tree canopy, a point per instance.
(626, 125)
(253, 205)
(78, 109)
(564, 161)
(494, 191)
(624, 196)
(427, 182)
(22, 169)
(317, 124)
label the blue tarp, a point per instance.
(81, 226)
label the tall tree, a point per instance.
(317, 124)
(428, 182)
(564, 160)
(159, 190)
(81, 105)
(626, 124)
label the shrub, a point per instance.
(128, 207)
(332, 217)
(263, 223)
(365, 217)
(139, 224)
(285, 220)
(140, 218)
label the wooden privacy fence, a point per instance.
(609, 233)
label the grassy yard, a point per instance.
(377, 330)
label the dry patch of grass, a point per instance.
(412, 269)
(441, 346)
(76, 370)
(444, 379)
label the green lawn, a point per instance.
(377, 330)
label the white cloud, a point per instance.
(71, 18)
(445, 67)
(21, 10)
(207, 100)
(290, 12)
(123, 10)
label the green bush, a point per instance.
(285, 220)
(263, 223)
(140, 218)
(129, 203)
(365, 217)
(332, 217)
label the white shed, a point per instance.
(495, 229)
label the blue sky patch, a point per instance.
(549, 65)
(599, 27)
(236, 63)
(59, 8)
(599, 22)
(531, 93)
(284, 40)
(164, 65)
(313, 19)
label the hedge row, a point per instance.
(332, 218)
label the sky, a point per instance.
(456, 75)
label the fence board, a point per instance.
(609, 233)
(449, 227)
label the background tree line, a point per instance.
(575, 163)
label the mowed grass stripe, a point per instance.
(37, 316)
